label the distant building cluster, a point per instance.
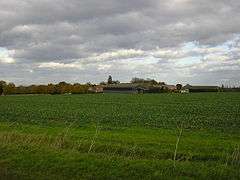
(135, 86)
(138, 85)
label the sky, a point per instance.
(175, 41)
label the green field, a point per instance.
(120, 136)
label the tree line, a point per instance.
(67, 88)
(135, 80)
(60, 88)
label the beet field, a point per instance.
(120, 136)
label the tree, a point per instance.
(9, 88)
(103, 83)
(137, 80)
(110, 81)
(62, 88)
(147, 81)
(161, 83)
(1, 89)
(2, 86)
(152, 81)
(116, 82)
(51, 89)
(179, 86)
(89, 84)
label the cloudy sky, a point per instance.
(187, 41)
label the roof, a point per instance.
(129, 86)
(200, 87)
(121, 85)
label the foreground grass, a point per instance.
(117, 136)
(36, 152)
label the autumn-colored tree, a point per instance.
(10, 88)
(60, 88)
(51, 89)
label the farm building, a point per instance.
(170, 87)
(95, 89)
(124, 88)
(190, 88)
(136, 88)
(184, 91)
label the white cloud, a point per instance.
(104, 66)
(195, 38)
(54, 65)
(96, 59)
(6, 56)
(119, 54)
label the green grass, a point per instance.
(117, 136)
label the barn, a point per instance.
(124, 88)
(191, 88)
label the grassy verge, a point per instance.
(41, 152)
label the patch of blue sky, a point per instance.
(2, 49)
(190, 45)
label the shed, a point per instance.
(124, 88)
(191, 88)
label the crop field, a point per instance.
(120, 136)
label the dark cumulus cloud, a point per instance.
(184, 41)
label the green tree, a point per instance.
(110, 79)
(2, 86)
(103, 83)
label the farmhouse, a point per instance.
(95, 89)
(170, 87)
(189, 88)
